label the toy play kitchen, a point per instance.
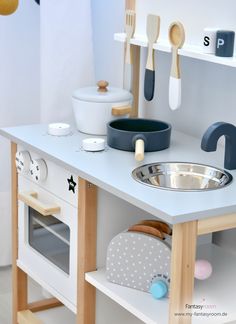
(80, 214)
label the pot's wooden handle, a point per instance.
(147, 230)
(121, 111)
(139, 150)
(7, 7)
(30, 199)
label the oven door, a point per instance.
(50, 237)
(48, 243)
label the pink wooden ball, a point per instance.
(203, 269)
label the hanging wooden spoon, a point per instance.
(7, 7)
(177, 38)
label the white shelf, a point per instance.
(218, 290)
(188, 51)
(140, 304)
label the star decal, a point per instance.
(72, 184)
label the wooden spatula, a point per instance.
(177, 38)
(130, 18)
(153, 29)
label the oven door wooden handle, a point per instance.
(30, 199)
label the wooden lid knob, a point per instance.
(102, 86)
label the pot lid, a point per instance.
(102, 93)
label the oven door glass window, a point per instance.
(51, 238)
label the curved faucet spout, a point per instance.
(211, 137)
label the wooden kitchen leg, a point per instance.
(19, 278)
(27, 317)
(182, 271)
(87, 246)
(130, 4)
(136, 76)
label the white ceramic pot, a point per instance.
(94, 107)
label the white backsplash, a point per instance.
(208, 89)
(66, 56)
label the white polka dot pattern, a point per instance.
(135, 260)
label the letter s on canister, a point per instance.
(209, 40)
(206, 41)
(225, 43)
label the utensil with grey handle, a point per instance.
(153, 30)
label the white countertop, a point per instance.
(111, 171)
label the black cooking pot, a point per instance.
(139, 135)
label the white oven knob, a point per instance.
(38, 170)
(23, 161)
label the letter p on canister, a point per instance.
(220, 42)
(225, 43)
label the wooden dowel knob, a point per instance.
(139, 150)
(102, 86)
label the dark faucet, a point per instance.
(211, 137)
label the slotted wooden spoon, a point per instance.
(177, 38)
(130, 19)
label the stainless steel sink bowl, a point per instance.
(181, 176)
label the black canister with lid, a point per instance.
(225, 43)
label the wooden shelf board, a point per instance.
(218, 290)
(188, 50)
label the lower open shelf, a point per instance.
(140, 304)
(58, 315)
(217, 295)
